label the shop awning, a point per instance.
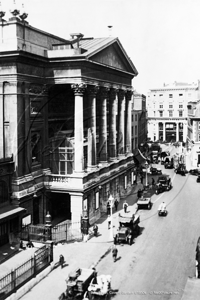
(139, 159)
(10, 211)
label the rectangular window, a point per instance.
(161, 113)
(199, 137)
(66, 160)
(135, 130)
(199, 125)
(170, 105)
(180, 105)
(26, 220)
(161, 105)
(96, 200)
(170, 113)
(125, 182)
(160, 95)
(154, 113)
(135, 117)
(170, 95)
(180, 95)
(180, 113)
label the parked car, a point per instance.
(155, 171)
(169, 165)
(198, 178)
(163, 184)
(144, 201)
(181, 169)
(195, 172)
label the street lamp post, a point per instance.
(146, 166)
(111, 217)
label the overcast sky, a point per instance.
(162, 37)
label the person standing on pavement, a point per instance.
(125, 206)
(109, 222)
(141, 178)
(108, 207)
(116, 204)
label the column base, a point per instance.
(91, 168)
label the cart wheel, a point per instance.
(130, 241)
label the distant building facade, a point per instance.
(139, 120)
(168, 112)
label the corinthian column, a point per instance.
(121, 127)
(92, 157)
(78, 126)
(112, 124)
(129, 95)
(103, 155)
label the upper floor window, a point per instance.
(161, 114)
(180, 95)
(170, 113)
(180, 113)
(198, 125)
(199, 137)
(170, 105)
(135, 117)
(154, 113)
(161, 105)
(170, 95)
(160, 95)
(180, 105)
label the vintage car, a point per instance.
(155, 171)
(195, 172)
(169, 164)
(144, 201)
(77, 283)
(198, 178)
(99, 288)
(180, 169)
(163, 184)
(128, 228)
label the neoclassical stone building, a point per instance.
(65, 110)
(168, 113)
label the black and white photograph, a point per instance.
(99, 150)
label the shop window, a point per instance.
(4, 197)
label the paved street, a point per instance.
(159, 262)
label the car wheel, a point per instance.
(149, 206)
(130, 241)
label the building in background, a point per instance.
(168, 112)
(65, 109)
(139, 121)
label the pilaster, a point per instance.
(121, 125)
(128, 127)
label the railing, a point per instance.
(18, 277)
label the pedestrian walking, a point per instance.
(109, 222)
(108, 207)
(61, 260)
(141, 178)
(114, 253)
(153, 182)
(116, 204)
(125, 206)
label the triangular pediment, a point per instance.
(113, 56)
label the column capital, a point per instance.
(129, 94)
(113, 92)
(92, 90)
(79, 88)
(121, 94)
(104, 92)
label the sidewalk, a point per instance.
(77, 255)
